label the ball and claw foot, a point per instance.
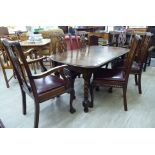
(74, 97)
(91, 105)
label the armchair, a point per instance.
(40, 87)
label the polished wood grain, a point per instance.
(86, 61)
(91, 57)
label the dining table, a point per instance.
(37, 45)
(86, 61)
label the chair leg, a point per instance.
(72, 110)
(145, 64)
(124, 98)
(136, 82)
(24, 102)
(97, 88)
(4, 73)
(139, 84)
(72, 86)
(36, 115)
(110, 90)
(5, 77)
(92, 96)
(149, 60)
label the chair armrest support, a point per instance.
(59, 69)
(26, 53)
(36, 60)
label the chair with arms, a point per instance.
(116, 77)
(40, 87)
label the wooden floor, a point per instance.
(107, 112)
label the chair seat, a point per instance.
(48, 83)
(109, 75)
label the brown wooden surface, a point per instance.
(91, 57)
(86, 61)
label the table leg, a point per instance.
(86, 102)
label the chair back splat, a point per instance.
(14, 51)
(131, 55)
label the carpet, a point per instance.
(1, 124)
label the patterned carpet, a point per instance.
(1, 124)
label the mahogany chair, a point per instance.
(40, 87)
(117, 78)
(142, 54)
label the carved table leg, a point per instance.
(86, 102)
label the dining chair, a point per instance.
(139, 62)
(117, 78)
(40, 87)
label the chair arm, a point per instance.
(55, 69)
(36, 60)
(26, 53)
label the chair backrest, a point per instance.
(121, 39)
(20, 65)
(143, 52)
(152, 30)
(61, 45)
(53, 35)
(4, 59)
(131, 55)
(72, 43)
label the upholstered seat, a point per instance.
(48, 83)
(109, 75)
